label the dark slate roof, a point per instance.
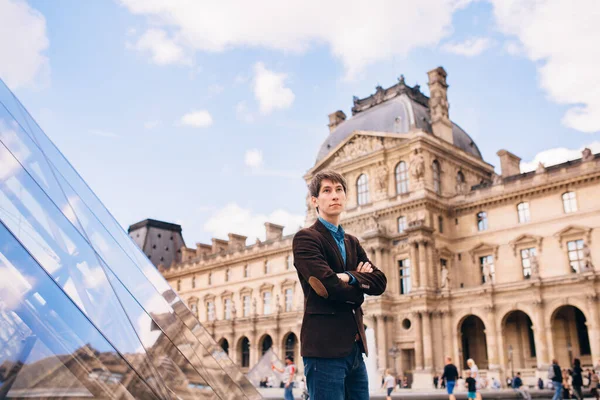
(152, 223)
(392, 116)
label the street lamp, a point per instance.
(510, 359)
(394, 352)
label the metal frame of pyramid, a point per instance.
(83, 312)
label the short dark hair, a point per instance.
(289, 358)
(315, 184)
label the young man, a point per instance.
(555, 374)
(450, 375)
(335, 274)
(289, 374)
(471, 384)
(517, 384)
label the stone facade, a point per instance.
(498, 268)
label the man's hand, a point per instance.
(344, 277)
(364, 267)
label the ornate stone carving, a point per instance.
(497, 179)
(540, 168)
(381, 176)
(587, 258)
(444, 278)
(417, 166)
(486, 272)
(357, 147)
(535, 266)
(254, 309)
(587, 155)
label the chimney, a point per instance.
(335, 119)
(219, 245)
(438, 105)
(202, 248)
(509, 163)
(274, 232)
(236, 242)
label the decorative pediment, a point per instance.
(245, 291)
(226, 293)
(444, 252)
(484, 248)
(574, 231)
(193, 299)
(526, 239)
(209, 297)
(265, 287)
(288, 283)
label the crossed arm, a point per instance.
(310, 261)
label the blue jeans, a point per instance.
(450, 386)
(337, 378)
(287, 393)
(557, 390)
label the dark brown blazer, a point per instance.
(332, 312)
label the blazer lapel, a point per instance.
(329, 237)
(349, 253)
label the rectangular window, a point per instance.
(210, 310)
(527, 257)
(289, 299)
(440, 224)
(482, 223)
(194, 309)
(246, 271)
(401, 224)
(523, 211)
(576, 258)
(267, 267)
(488, 270)
(404, 272)
(289, 263)
(569, 202)
(227, 309)
(246, 304)
(267, 303)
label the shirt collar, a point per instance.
(335, 230)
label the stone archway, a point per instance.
(243, 352)
(570, 336)
(473, 342)
(290, 346)
(265, 343)
(224, 345)
(519, 343)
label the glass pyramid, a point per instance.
(83, 312)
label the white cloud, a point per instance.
(243, 113)
(561, 37)
(513, 48)
(198, 119)
(356, 33)
(103, 133)
(22, 41)
(253, 158)
(469, 48)
(215, 89)
(269, 89)
(557, 155)
(234, 219)
(163, 50)
(151, 124)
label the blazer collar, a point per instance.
(318, 225)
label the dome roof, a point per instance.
(406, 108)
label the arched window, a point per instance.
(523, 211)
(245, 350)
(267, 343)
(437, 181)
(362, 189)
(569, 202)
(401, 178)
(290, 345)
(460, 178)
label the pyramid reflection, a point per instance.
(83, 313)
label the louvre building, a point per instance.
(83, 313)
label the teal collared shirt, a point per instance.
(338, 235)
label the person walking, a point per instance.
(450, 376)
(555, 375)
(289, 374)
(594, 383)
(517, 385)
(471, 384)
(389, 382)
(577, 379)
(475, 374)
(335, 275)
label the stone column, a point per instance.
(378, 258)
(381, 343)
(423, 264)
(541, 341)
(492, 339)
(393, 285)
(427, 342)
(432, 266)
(254, 351)
(414, 265)
(418, 342)
(594, 328)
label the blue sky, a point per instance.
(208, 115)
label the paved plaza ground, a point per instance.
(507, 394)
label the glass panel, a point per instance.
(48, 347)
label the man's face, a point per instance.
(331, 200)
